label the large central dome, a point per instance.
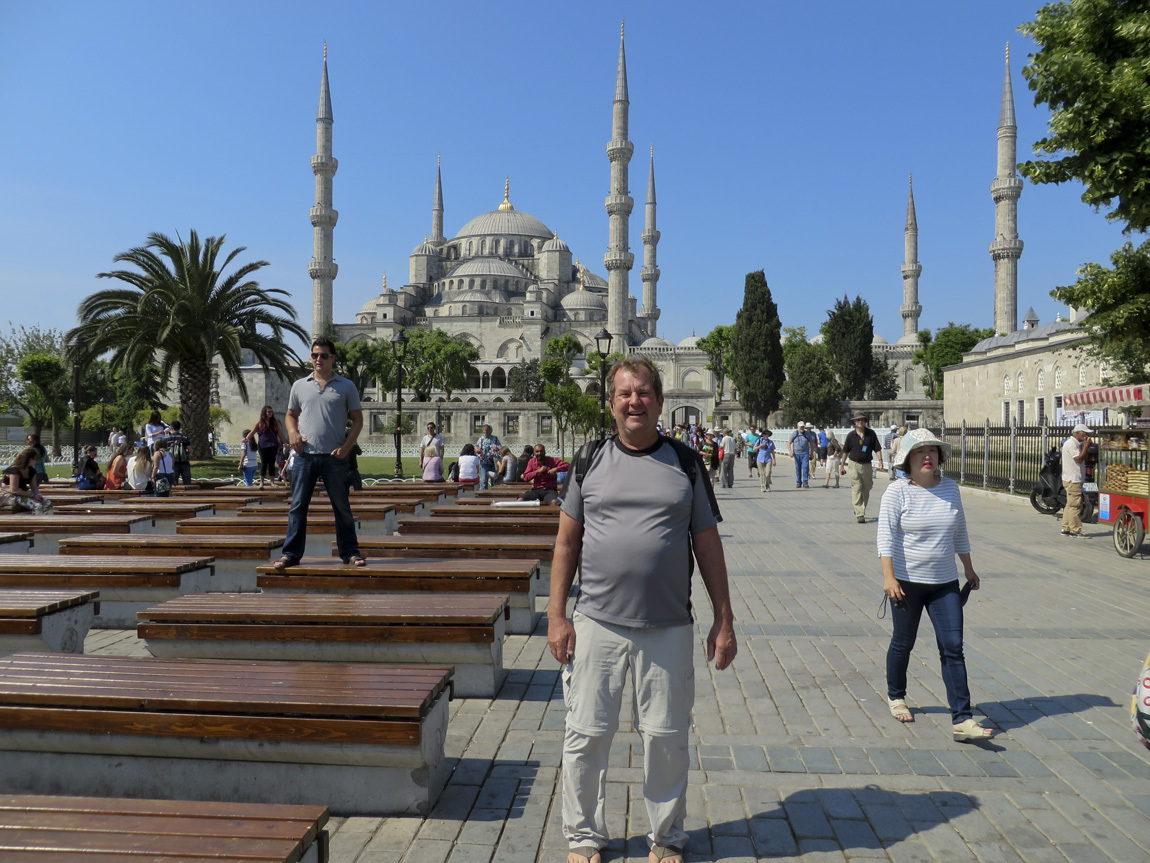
(503, 223)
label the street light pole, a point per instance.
(603, 348)
(399, 348)
(75, 345)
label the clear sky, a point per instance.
(784, 133)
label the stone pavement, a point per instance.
(794, 753)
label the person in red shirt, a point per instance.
(543, 474)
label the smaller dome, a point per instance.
(425, 248)
(689, 342)
(556, 245)
(589, 278)
(816, 339)
(583, 300)
(656, 342)
(879, 340)
(488, 266)
(476, 295)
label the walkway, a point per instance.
(795, 754)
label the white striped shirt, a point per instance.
(921, 530)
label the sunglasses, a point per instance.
(321, 356)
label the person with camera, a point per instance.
(921, 527)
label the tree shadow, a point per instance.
(1018, 712)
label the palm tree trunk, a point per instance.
(195, 380)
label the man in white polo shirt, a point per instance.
(1074, 450)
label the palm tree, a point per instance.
(181, 311)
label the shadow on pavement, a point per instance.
(1018, 712)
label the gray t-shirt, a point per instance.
(323, 411)
(637, 509)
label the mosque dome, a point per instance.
(584, 301)
(689, 342)
(477, 296)
(879, 340)
(817, 339)
(656, 342)
(589, 278)
(490, 267)
(425, 248)
(505, 223)
(556, 245)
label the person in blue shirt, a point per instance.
(799, 448)
(823, 442)
(764, 451)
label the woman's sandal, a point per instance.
(284, 562)
(899, 710)
(969, 729)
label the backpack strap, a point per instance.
(691, 462)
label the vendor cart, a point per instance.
(1124, 493)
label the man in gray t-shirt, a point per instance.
(629, 526)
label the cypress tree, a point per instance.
(847, 336)
(757, 348)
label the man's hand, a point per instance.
(341, 452)
(298, 442)
(721, 646)
(561, 638)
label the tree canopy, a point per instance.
(180, 311)
(365, 363)
(572, 409)
(810, 392)
(1091, 70)
(945, 348)
(757, 344)
(436, 360)
(717, 345)
(524, 382)
(883, 383)
(847, 336)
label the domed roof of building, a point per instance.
(879, 340)
(589, 278)
(817, 339)
(556, 245)
(656, 342)
(490, 267)
(503, 223)
(689, 342)
(425, 248)
(585, 300)
(476, 295)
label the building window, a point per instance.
(1005, 412)
(911, 420)
(1021, 418)
(1040, 411)
(1058, 378)
(486, 381)
(546, 424)
(1040, 382)
(477, 422)
(444, 426)
(1058, 403)
(1021, 383)
(1082, 375)
(1006, 385)
(532, 314)
(511, 424)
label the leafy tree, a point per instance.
(757, 344)
(945, 348)
(181, 310)
(16, 394)
(847, 336)
(564, 348)
(524, 382)
(45, 379)
(810, 392)
(571, 408)
(883, 383)
(593, 361)
(436, 360)
(365, 363)
(1090, 70)
(718, 348)
(1118, 320)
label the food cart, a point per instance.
(1124, 492)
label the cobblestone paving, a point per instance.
(794, 753)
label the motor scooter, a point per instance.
(1049, 495)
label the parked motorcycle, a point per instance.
(1049, 495)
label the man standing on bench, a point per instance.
(628, 523)
(318, 410)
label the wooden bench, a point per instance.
(460, 629)
(385, 510)
(236, 557)
(71, 494)
(126, 584)
(493, 525)
(51, 528)
(40, 829)
(56, 620)
(165, 511)
(14, 542)
(221, 503)
(519, 580)
(465, 546)
(363, 739)
(489, 508)
(320, 529)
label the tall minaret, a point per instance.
(322, 268)
(437, 210)
(1005, 189)
(619, 259)
(911, 270)
(649, 313)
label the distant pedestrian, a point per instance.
(1074, 450)
(859, 449)
(727, 445)
(823, 443)
(487, 448)
(765, 459)
(834, 459)
(178, 444)
(249, 458)
(752, 441)
(799, 448)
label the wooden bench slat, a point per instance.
(99, 564)
(36, 603)
(20, 627)
(208, 810)
(80, 842)
(328, 632)
(428, 610)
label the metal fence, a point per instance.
(1003, 458)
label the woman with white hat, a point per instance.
(921, 527)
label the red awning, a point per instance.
(1109, 397)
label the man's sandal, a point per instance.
(666, 852)
(357, 560)
(284, 562)
(899, 710)
(969, 729)
(585, 852)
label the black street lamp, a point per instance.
(603, 348)
(398, 349)
(75, 345)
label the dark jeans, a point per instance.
(305, 472)
(268, 462)
(944, 606)
(183, 472)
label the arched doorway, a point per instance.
(686, 415)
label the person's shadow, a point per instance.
(1018, 712)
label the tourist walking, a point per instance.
(629, 527)
(268, 437)
(824, 442)
(859, 449)
(178, 444)
(834, 459)
(728, 469)
(765, 459)
(249, 458)
(799, 448)
(921, 527)
(752, 440)
(1074, 450)
(319, 407)
(487, 448)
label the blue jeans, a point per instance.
(484, 475)
(306, 470)
(250, 473)
(944, 606)
(802, 468)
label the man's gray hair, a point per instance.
(634, 365)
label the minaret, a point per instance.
(911, 270)
(437, 210)
(1005, 189)
(322, 268)
(619, 259)
(650, 272)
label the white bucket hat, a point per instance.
(915, 439)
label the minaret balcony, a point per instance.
(618, 260)
(912, 271)
(1005, 249)
(322, 269)
(324, 164)
(911, 311)
(1005, 188)
(324, 217)
(619, 205)
(650, 238)
(649, 274)
(620, 149)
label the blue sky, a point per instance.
(784, 134)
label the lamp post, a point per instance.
(398, 349)
(603, 348)
(75, 345)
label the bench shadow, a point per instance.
(486, 789)
(857, 820)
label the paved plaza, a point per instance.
(794, 753)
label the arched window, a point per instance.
(1021, 383)
(470, 246)
(483, 247)
(1040, 380)
(1058, 377)
(472, 379)
(1082, 375)
(498, 379)
(463, 311)
(692, 380)
(496, 250)
(486, 381)
(1006, 385)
